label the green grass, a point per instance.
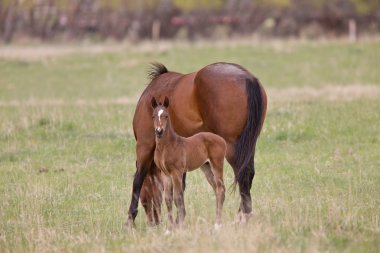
(66, 168)
(122, 73)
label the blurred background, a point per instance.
(98, 20)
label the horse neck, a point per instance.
(169, 137)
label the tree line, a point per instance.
(188, 19)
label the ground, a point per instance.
(67, 151)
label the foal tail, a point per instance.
(246, 144)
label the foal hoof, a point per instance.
(217, 226)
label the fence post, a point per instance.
(352, 31)
(156, 26)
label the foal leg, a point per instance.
(157, 213)
(178, 196)
(206, 169)
(157, 201)
(217, 170)
(168, 186)
(157, 191)
(149, 211)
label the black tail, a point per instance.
(246, 144)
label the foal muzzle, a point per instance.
(159, 132)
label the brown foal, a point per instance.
(175, 155)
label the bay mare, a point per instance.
(222, 98)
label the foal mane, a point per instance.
(156, 69)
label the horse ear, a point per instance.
(166, 102)
(154, 102)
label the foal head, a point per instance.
(160, 117)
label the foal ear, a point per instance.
(154, 102)
(166, 102)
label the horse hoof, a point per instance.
(167, 232)
(246, 217)
(129, 224)
(242, 218)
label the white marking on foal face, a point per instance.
(159, 114)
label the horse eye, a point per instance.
(166, 116)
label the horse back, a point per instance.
(220, 89)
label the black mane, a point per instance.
(156, 69)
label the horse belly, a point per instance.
(196, 152)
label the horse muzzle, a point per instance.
(159, 132)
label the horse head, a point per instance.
(160, 116)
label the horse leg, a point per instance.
(178, 197)
(184, 181)
(168, 186)
(245, 193)
(206, 169)
(217, 170)
(245, 207)
(143, 163)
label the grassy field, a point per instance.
(67, 151)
